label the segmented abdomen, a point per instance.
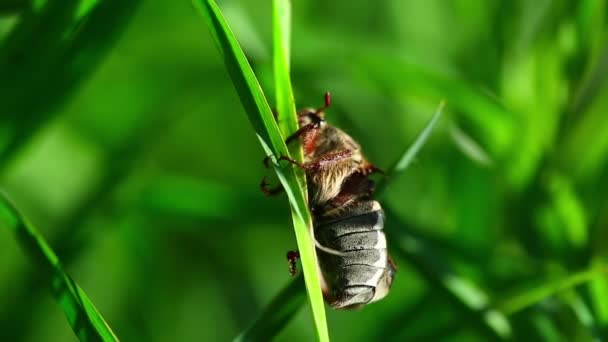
(352, 278)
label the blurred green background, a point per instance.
(123, 140)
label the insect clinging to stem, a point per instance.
(354, 263)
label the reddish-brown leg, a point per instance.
(308, 134)
(392, 262)
(321, 162)
(304, 131)
(264, 186)
(309, 131)
(266, 162)
(292, 257)
(293, 161)
(367, 169)
(329, 159)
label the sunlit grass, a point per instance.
(273, 142)
(85, 320)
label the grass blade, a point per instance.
(598, 291)
(72, 234)
(469, 147)
(277, 314)
(582, 312)
(411, 151)
(532, 296)
(465, 296)
(260, 116)
(85, 320)
(470, 300)
(47, 55)
(281, 47)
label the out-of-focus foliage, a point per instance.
(126, 144)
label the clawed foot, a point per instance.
(268, 191)
(369, 169)
(292, 257)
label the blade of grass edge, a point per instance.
(286, 111)
(530, 297)
(50, 52)
(281, 18)
(86, 322)
(470, 300)
(288, 123)
(583, 313)
(463, 294)
(411, 151)
(260, 116)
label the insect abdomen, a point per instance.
(354, 275)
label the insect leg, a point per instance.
(368, 169)
(322, 162)
(293, 161)
(327, 160)
(292, 257)
(264, 184)
(270, 191)
(303, 131)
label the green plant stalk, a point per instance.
(267, 130)
(286, 110)
(86, 322)
(281, 30)
(288, 125)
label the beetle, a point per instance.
(354, 263)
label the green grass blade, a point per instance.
(281, 47)
(533, 296)
(411, 151)
(260, 116)
(288, 123)
(85, 320)
(582, 312)
(72, 235)
(598, 292)
(464, 295)
(277, 314)
(470, 300)
(469, 147)
(286, 111)
(47, 55)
